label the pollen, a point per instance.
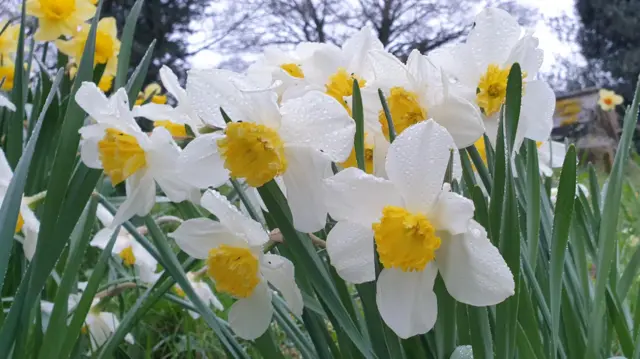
(368, 159)
(121, 155)
(57, 9)
(405, 111)
(175, 129)
(340, 85)
(253, 152)
(234, 269)
(19, 223)
(405, 240)
(128, 258)
(293, 70)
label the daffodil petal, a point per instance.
(141, 196)
(461, 118)
(473, 270)
(350, 248)
(200, 162)
(538, 106)
(279, 271)
(198, 236)
(494, 35)
(453, 212)
(250, 317)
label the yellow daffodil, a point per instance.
(59, 17)
(7, 69)
(9, 38)
(107, 44)
(106, 81)
(609, 100)
(152, 93)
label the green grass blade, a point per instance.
(607, 239)
(15, 126)
(126, 40)
(267, 347)
(134, 86)
(560, 238)
(533, 202)
(358, 117)
(387, 115)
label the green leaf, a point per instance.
(267, 347)
(607, 238)
(445, 327)
(139, 74)
(126, 45)
(533, 202)
(387, 115)
(15, 126)
(480, 333)
(358, 117)
(560, 237)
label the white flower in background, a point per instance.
(332, 69)
(285, 66)
(420, 228)
(297, 140)
(414, 92)
(100, 326)
(203, 291)
(132, 253)
(5, 102)
(27, 222)
(162, 114)
(579, 188)
(233, 250)
(481, 66)
(550, 156)
(116, 144)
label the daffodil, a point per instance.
(414, 93)
(168, 116)
(100, 326)
(233, 250)
(419, 227)
(116, 144)
(152, 93)
(550, 156)
(59, 17)
(332, 69)
(8, 38)
(480, 68)
(608, 100)
(107, 44)
(7, 72)
(296, 140)
(5, 102)
(202, 290)
(106, 82)
(129, 251)
(27, 222)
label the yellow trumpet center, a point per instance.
(128, 258)
(492, 88)
(405, 111)
(368, 159)
(405, 240)
(253, 152)
(121, 155)
(7, 75)
(340, 85)
(104, 47)
(234, 269)
(293, 70)
(19, 223)
(179, 292)
(58, 9)
(175, 129)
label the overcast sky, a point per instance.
(548, 40)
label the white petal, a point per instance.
(200, 163)
(406, 300)
(141, 196)
(538, 106)
(89, 152)
(102, 238)
(356, 48)
(233, 219)
(5, 102)
(458, 62)
(198, 236)
(143, 257)
(461, 118)
(92, 100)
(203, 291)
(417, 161)
(250, 317)
(6, 174)
(380, 149)
(279, 271)
(355, 196)
(453, 212)
(30, 242)
(495, 33)
(318, 121)
(473, 270)
(306, 169)
(388, 71)
(171, 83)
(154, 111)
(528, 55)
(350, 248)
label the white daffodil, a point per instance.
(414, 92)
(296, 140)
(126, 248)
(164, 115)
(332, 69)
(100, 326)
(481, 65)
(5, 102)
(550, 156)
(233, 249)
(27, 223)
(420, 228)
(203, 291)
(579, 188)
(285, 66)
(116, 144)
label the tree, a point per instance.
(609, 36)
(166, 21)
(401, 25)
